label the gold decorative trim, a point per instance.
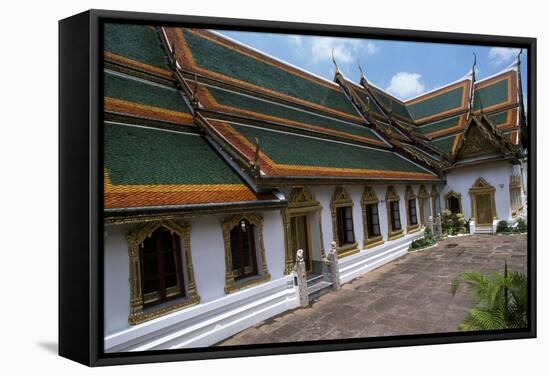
(256, 280)
(341, 198)
(347, 250)
(300, 202)
(409, 195)
(395, 235)
(481, 186)
(392, 196)
(370, 197)
(455, 195)
(230, 284)
(374, 242)
(516, 205)
(134, 238)
(423, 197)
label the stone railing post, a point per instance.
(333, 267)
(300, 268)
(437, 227)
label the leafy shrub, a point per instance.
(426, 241)
(447, 222)
(459, 224)
(500, 300)
(522, 226)
(502, 227)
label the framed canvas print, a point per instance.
(236, 188)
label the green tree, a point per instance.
(500, 300)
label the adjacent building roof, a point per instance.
(195, 118)
(147, 167)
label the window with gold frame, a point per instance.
(167, 244)
(395, 230)
(244, 246)
(372, 234)
(342, 222)
(412, 210)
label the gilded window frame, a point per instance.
(134, 238)
(457, 196)
(369, 197)
(392, 196)
(423, 198)
(300, 202)
(410, 195)
(340, 199)
(263, 275)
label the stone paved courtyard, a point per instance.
(410, 295)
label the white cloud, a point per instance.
(501, 55)
(345, 50)
(405, 85)
(295, 40)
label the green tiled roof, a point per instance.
(136, 42)
(269, 108)
(490, 95)
(439, 125)
(291, 149)
(499, 118)
(135, 155)
(136, 91)
(220, 59)
(445, 101)
(396, 106)
(445, 144)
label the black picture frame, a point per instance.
(81, 184)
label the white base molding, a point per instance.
(208, 323)
(368, 259)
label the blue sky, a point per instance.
(405, 69)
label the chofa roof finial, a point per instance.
(335, 64)
(472, 91)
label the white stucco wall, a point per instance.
(116, 279)
(497, 174)
(207, 252)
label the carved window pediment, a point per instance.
(423, 192)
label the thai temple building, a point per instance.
(221, 162)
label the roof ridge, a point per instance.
(431, 91)
(279, 60)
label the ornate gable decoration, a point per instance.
(475, 142)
